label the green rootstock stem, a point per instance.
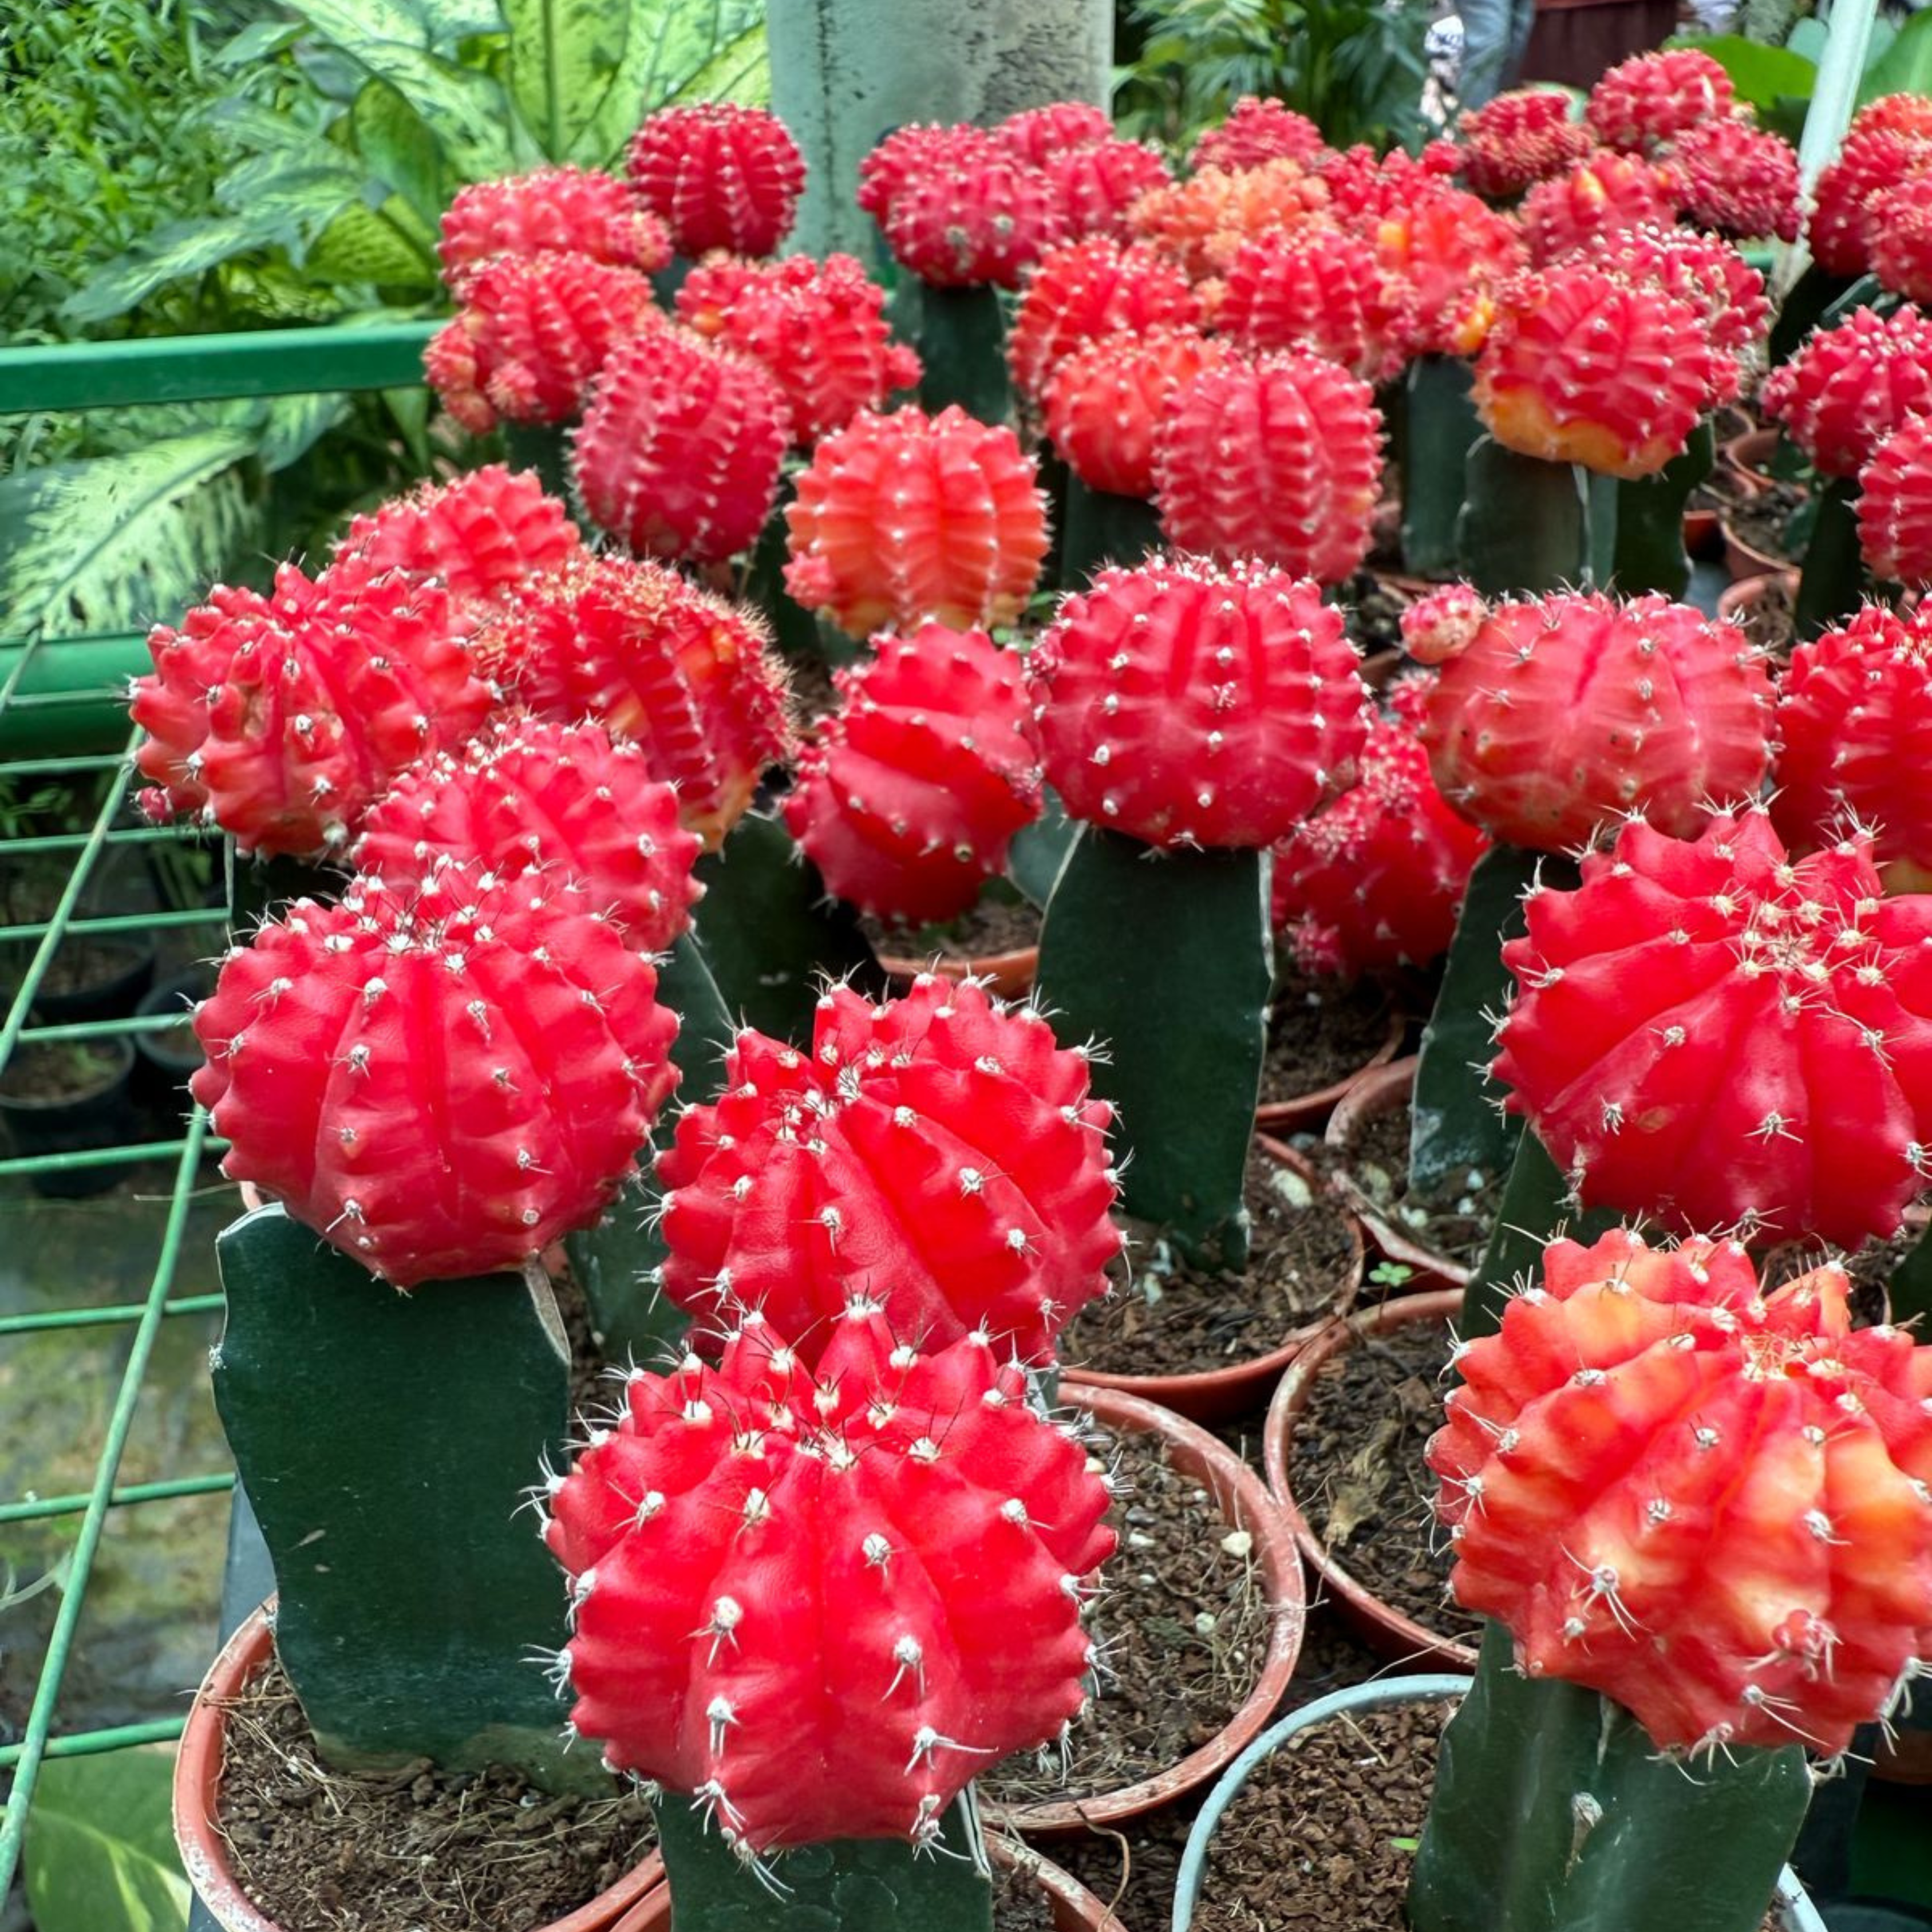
(846, 1884)
(1167, 960)
(1103, 528)
(1649, 552)
(1526, 523)
(544, 448)
(260, 888)
(1553, 1812)
(961, 340)
(801, 636)
(385, 1440)
(1438, 426)
(1910, 1287)
(1815, 297)
(1834, 578)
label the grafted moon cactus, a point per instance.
(1094, 187)
(1854, 714)
(480, 535)
(560, 210)
(909, 797)
(1711, 1032)
(440, 1082)
(1708, 1504)
(1257, 131)
(903, 518)
(282, 719)
(679, 450)
(973, 215)
(1038, 134)
(1518, 139)
(1106, 399)
(1200, 222)
(718, 176)
(1737, 179)
(1555, 714)
(1849, 388)
(1185, 702)
(1086, 289)
(565, 800)
(1279, 459)
(1901, 243)
(1318, 289)
(817, 1606)
(643, 651)
(1894, 505)
(1652, 98)
(1604, 192)
(1876, 160)
(937, 1153)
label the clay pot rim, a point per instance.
(1741, 592)
(1392, 1632)
(1368, 1097)
(1210, 1394)
(198, 1771)
(1256, 1509)
(1302, 1110)
(1761, 442)
(1738, 552)
(1011, 974)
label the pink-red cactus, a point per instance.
(1107, 397)
(1874, 160)
(1712, 1033)
(565, 211)
(480, 535)
(1094, 188)
(1452, 252)
(1849, 388)
(679, 450)
(902, 518)
(1366, 189)
(718, 176)
(1186, 704)
(1257, 131)
(282, 719)
(1706, 272)
(1738, 179)
(532, 335)
(1087, 288)
(974, 214)
(636, 649)
(937, 1154)
(819, 328)
(1581, 366)
(1854, 717)
(1279, 459)
(1374, 881)
(567, 801)
(1708, 1504)
(1901, 229)
(1894, 506)
(1604, 192)
(1200, 222)
(1037, 134)
(817, 1606)
(910, 796)
(440, 1082)
(1318, 289)
(1653, 98)
(1518, 139)
(1559, 713)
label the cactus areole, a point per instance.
(817, 1605)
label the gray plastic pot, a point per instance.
(1798, 1914)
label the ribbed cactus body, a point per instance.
(973, 215)
(718, 176)
(1086, 289)
(563, 210)
(937, 1153)
(1093, 188)
(1873, 161)
(1711, 1032)
(1106, 399)
(1737, 179)
(1901, 241)
(1709, 1505)
(1038, 135)
(1850, 388)
(1601, 194)
(910, 795)
(1189, 704)
(1518, 139)
(1894, 506)
(1652, 98)
(1254, 131)
(441, 1082)
(1453, 253)
(1317, 289)
(816, 1607)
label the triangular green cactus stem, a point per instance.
(1834, 580)
(1526, 525)
(1103, 528)
(1650, 552)
(962, 341)
(1438, 426)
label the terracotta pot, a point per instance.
(1075, 1909)
(1214, 1395)
(1701, 536)
(198, 1771)
(1245, 1504)
(1387, 1630)
(1311, 1109)
(1010, 973)
(1748, 458)
(1380, 1090)
(1743, 559)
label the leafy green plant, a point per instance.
(1356, 67)
(101, 1854)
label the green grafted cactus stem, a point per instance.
(1167, 959)
(1834, 578)
(1526, 523)
(1649, 550)
(1437, 428)
(961, 337)
(1103, 528)
(1554, 1812)
(544, 448)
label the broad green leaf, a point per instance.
(170, 254)
(290, 198)
(291, 426)
(1807, 39)
(1760, 74)
(673, 45)
(564, 57)
(99, 1854)
(261, 41)
(113, 543)
(1906, 66)
(399, 148)
(360, 245)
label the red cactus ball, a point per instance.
(1849, 388)
(568, 211)
(1895, 506)
(1107, 398)
(718, 176)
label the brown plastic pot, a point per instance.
(1214, 1395)
(1379, 1091)
(1748, 458)
(1743, 559)
(198, 1770)
(1009, 974)
(1308, 1110)
(1245, 1505)
(1388, 1631)
(1075, 1909)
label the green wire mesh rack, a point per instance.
(63, 718)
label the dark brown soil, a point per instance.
(1320, 1030)
(79, 963)
(814, 695)
(59, 1070)
(1456, 1226)
(1772, 623)
(1167, 1317)
(1357, 1472)
(592, 1389)
(1762, 521)
(432, 1851)
(1374, 612)
(1722, 489)
(1018, 1904)
(1182, 1632)
(1870, 1268)
(994, 926)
